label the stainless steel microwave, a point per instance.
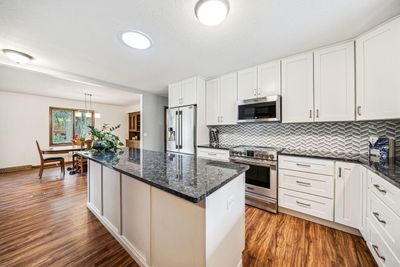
(263, 109)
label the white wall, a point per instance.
(152, 116)
(25, 118)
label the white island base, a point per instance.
(160, 229)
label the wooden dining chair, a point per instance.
(44, 160)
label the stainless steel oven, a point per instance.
(261, 178)
(264, 109)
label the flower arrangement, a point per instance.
(104, 139)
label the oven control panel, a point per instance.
(254, 153)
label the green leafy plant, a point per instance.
(104, 138)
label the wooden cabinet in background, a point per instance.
(134, 130)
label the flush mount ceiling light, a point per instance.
(17, 57)
(211, 12)
(136, 40)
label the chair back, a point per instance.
(40, 151)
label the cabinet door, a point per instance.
(112, 198)
(247, 83)
(348, 194)
(95, 186)
(228, 98)
(334, 83)
(269, 79)
(189, 92)
(174, 95)
(212, 102)
(364, 190)
(297, 88)
(378, 79)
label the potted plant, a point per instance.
(104, 139)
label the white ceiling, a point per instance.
(29, 82)
(81, 37)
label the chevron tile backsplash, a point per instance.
(347, 137)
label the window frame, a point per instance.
(73, 123)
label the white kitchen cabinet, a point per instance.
(95, 187)
(247, 83)
(189, 91)
(228, 99)
(297, 88)
(183, 93)
(212, 101)
(269, 79)
(377, 72)
(221, 95)
(260, 81)
(174, 94)
(364, 190)
(213, 154)
(334, 89)
(111, 198)
(348, 194)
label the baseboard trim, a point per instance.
(16, 169)
(330, 224)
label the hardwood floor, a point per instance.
(46, 223)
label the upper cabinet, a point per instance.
(377, 68)
(221, 96)
(263, 80)
(297, 88)
(183, 93)
(334, 92)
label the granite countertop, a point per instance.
(185, 176)
(219, 146)
(390, 171)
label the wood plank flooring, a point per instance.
(46, 223)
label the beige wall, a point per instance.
(25, 118)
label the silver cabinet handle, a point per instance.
(376, 214)
(375, 247)
(340, 172)
(303, 204)
(359, 111)
(303, 165)
(310, 114)
(377, 186)
(254, 91)
(303, 183)
(317, 113)
(212, 154)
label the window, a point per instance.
(65, 123)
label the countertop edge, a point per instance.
(173, 192)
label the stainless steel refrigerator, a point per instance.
(181, 129)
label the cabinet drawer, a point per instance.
(316, 184)
(214, 154)
(313, 205)
(388, 193)
(379, 249)
(318, 166)
(385, 221)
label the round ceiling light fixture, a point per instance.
(17, 57)
(211, 12)
(136, 40)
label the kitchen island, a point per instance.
(169, 209)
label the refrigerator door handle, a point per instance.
(177, 135)
(180, 130)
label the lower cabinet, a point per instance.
(348, 194)
(213, 154)
(111, 198)
(95, 187)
